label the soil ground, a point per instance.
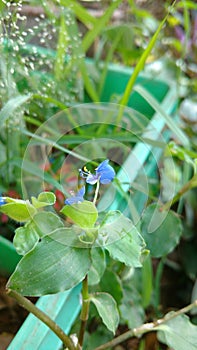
(11, 316)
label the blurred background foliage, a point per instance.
(44, 47)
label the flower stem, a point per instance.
(146, 327)
(84, 311)
(96, 192)
(29, 306)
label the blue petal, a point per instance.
(81, 192)
(103, 166)
(2, 201)
(105, 172)
(76, 199)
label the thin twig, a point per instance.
(29, 306)
(147, 327)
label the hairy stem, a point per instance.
(146, 327)
(84, 311)
(29, 306)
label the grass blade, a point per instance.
(100, 24)
(140, 66)
(80, 12)
(77, 59)
(61, 49)
(50, 142)
(11, 106)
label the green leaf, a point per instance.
(46, 222)
(129, 247)
(50, 268)
(11, 106)
(113, 227)
(18, 210)
(131, 309)
(74, 236)
(111, 283)
(27, 237)
(83, 214)
(107, 309)
(94, 339)
(2, 5)
(98, 266)
(161, 230)
(44, 199)
(178, 333)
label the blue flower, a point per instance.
(78, 198)
(104, 173)
(2, 201)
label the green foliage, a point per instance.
(129, 248)
(141, 63)
(11, 106)
(98, 266)
(171, 179)
(161, 230)
(147, 281)
(83, 214)
(179, 333)
(28, 236)
(112, 284)
(107, 309)
(19, 210)
(114, 226)
(51, 267)
(131, 308)
(44, 199)
(92, 340)
(125, 46)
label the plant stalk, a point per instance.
(188, 186)
(158, 277)
(146, 327)
(29, 306)
(84, 311)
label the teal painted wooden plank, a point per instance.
(66, 317)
